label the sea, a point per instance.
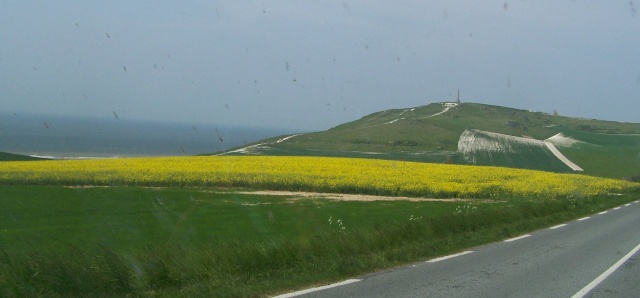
(64, 137)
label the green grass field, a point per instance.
(168, 242)
(130, 217)
(126, 231)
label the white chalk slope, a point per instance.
(473, 140)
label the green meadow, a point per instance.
(131, 217)
(185, 242)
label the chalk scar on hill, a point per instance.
(247, 149)
(475, 140)
(447, 105)
(561, 157)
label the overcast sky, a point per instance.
(311, 65)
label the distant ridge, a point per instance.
(5, 156)
(432, 133)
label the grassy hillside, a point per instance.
(432, 133)
(482, 147)
(4, 156)
(606, 155)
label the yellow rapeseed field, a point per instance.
(321, 174)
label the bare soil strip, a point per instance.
(320, 195)
(346, 197)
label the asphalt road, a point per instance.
(564, 261)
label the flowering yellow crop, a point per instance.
(321, 174)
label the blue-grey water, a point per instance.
(73, 137)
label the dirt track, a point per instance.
(346, 197)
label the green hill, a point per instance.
(498, 136)
(4, 156)
(606, 155)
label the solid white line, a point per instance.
(584, 218)
(307, 291)
(603, 212)
(558, 226)
(517, 238)
(605, 274)
(450, 256)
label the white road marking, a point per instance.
(605, 274)
(307, 291)
(517, 238)
(584, 218)
(627, 205)
(450, 256)
(558, 226)
(603, 212)
(616, 208)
